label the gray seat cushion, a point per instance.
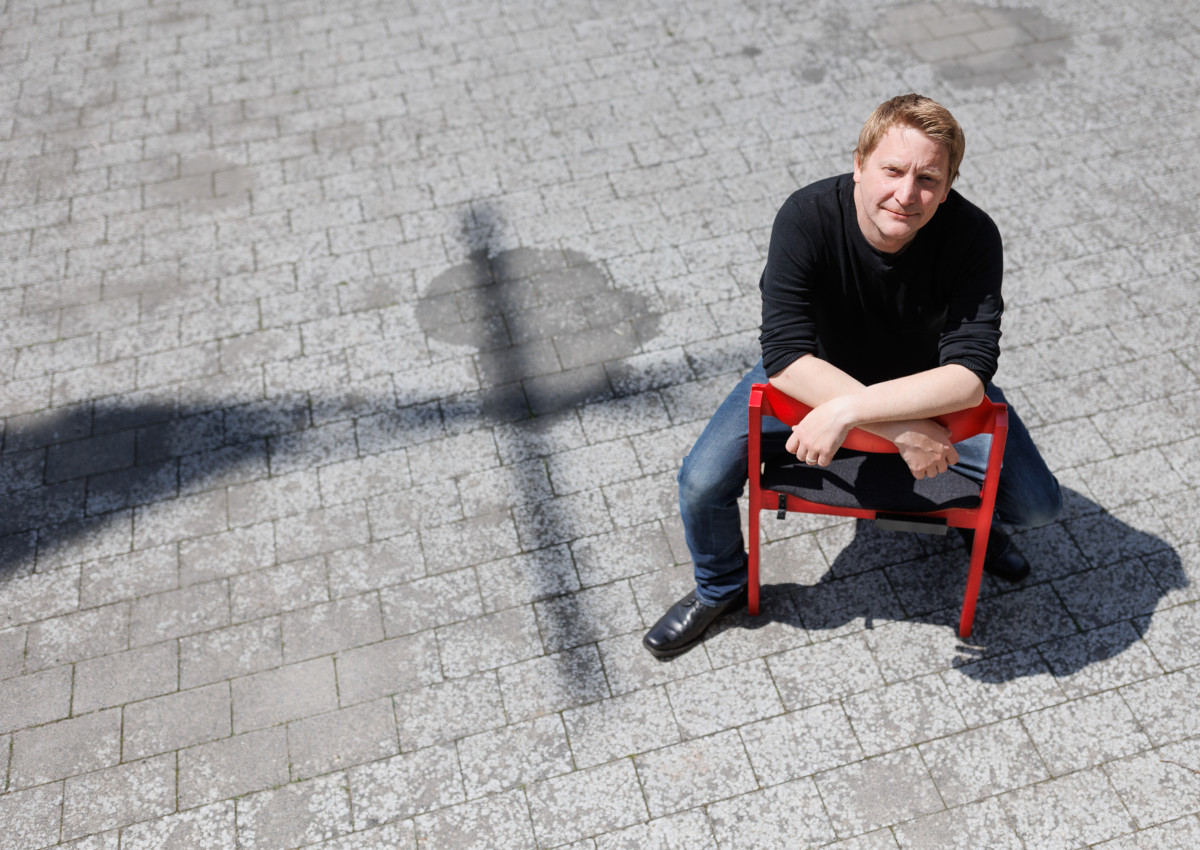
(879, 482)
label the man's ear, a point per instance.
(858, 170)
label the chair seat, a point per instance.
(878, 482)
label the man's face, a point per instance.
(899, 187)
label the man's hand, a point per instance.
(925, 446)
(818, 436)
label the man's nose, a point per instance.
(906, 190)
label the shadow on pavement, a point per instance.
(539, 328)
(1094, 577)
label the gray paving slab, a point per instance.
(348, 352)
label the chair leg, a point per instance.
(974, 578)
(752, 564)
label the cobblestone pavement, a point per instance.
(349, 350)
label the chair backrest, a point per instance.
(981, 419)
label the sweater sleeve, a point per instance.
(789, 328)
(971, 335)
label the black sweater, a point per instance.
(879, 316)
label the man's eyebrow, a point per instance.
(893, 163)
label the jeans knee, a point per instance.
(1041, 511)
(706, 485)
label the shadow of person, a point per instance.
(1096, 583)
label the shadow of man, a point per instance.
(1096, 586)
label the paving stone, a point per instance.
(436, 504)
(984, 822)
(294, 815)
(903, 714)
(375, 565)
(35, 699)
(527, 577)
(226, 653)
(258, 501)
(188, 830)
(585, 803)
(502, 818)
(1163, 632)
(880, 839)
(233, 766)
(992, 689)
(552, 683)
(1067, 811)
(739, 637)
(273, 590)
(178, 519)
(431, 602)
(118, 795)
(886, 789)
(489, 641)
(40, 596)
(175, 721)
(1156, 786)
(1161, 705)
(490, 491)
(402, 834)
(321, 531)
(1168, 836)
(129, 575)
(686, 829)
(227, 553)
(514, 755)
(813, 674)
(644, 718)
(331, 627)
(787, 815)
(561, 519)
(31, 818)
(405, 785)
(342, 738)
(854, 603)
(982, 762)
(114, 679)
(448, 710)
(1085, 732)
(388, 667)
(1097, 660)
(723, 699)
(718, 766)
(587, 616)
(65, 748)
(286, 693)
(12, 652)
(621, 554)
(469, 542)
(800, 743)
(180, 612)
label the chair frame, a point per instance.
(987, 417)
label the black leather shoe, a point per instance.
(1003, 560)
(684, 624)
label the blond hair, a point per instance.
(920, 113)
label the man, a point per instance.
(881, 309)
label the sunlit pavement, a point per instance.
(349, 353)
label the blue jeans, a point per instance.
(713, 477)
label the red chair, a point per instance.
(868, 479)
